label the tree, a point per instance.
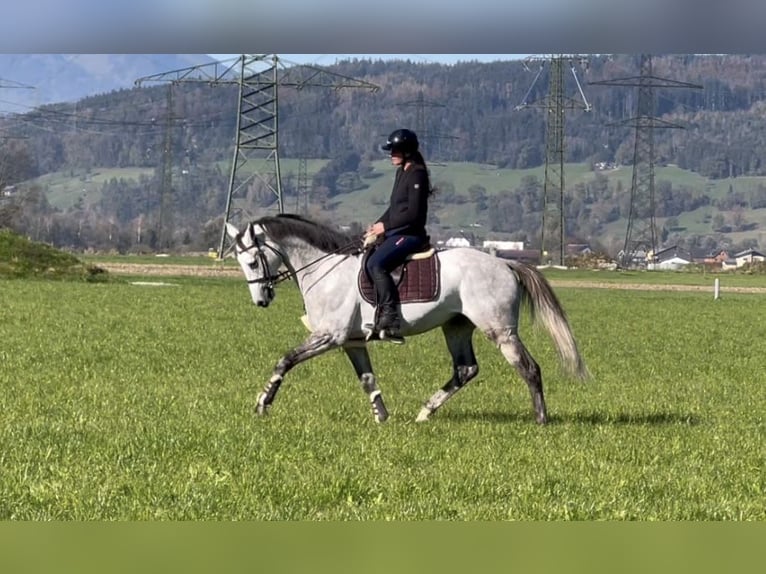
(738, 220)
(718, 221)
(15, 164)
(10, 212)
(478, 196)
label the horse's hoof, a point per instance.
(261, 408)
(423, 415)
(378, 407)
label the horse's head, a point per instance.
(259, 259)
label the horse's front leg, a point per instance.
(316, 344)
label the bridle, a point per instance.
(268, 279)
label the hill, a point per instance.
(148, 168)
(31, 80)
(472, 200)
(20, 257)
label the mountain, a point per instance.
(31, 80)
(75, 173)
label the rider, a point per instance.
(402, 226)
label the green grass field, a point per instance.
(127, 402)
(65, 188)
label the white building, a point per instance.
(748, 256)
(504, 245)
(457, 242)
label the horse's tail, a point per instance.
(544, 306)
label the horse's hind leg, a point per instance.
(360, 359)
(458, 334)
(517, 355)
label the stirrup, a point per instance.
(385, 335)
(371, 333)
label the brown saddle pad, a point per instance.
(417, 281)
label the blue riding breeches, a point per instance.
(393, 252)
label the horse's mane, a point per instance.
(316, 234)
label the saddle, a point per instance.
(417, 279)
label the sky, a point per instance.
(579, 26)
(329, 59)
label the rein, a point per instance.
(272, 280)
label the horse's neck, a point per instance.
(301, 254)
(310, 265)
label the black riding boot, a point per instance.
(387, 296)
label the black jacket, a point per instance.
(408, 207)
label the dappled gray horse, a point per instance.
(477, 290)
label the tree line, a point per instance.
(464, 112)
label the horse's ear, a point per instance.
(231, 230)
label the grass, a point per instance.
(21, 258)
(66, 187)
(124, 402)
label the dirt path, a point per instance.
(653, 287)
(165, 270)
(217, 271)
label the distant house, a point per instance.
(577, 249)
(727, 264)
(714, 259)
(457, 242)
(503, 245)
(749, 256)
(637, 259)
(671, 258)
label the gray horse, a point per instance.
(477, 290)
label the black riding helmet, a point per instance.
(403, 141)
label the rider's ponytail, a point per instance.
(417, 157)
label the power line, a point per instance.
(258, 78)
(553, 232)
(641, 232)
(425, 135)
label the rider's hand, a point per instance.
(376, 229)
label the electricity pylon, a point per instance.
(641, 233)
(14, 85)
(302, 187)
(425, 136)
(9, 84)
(258, 78)
(553, 232)
(164, 226)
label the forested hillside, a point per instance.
(90, 173)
